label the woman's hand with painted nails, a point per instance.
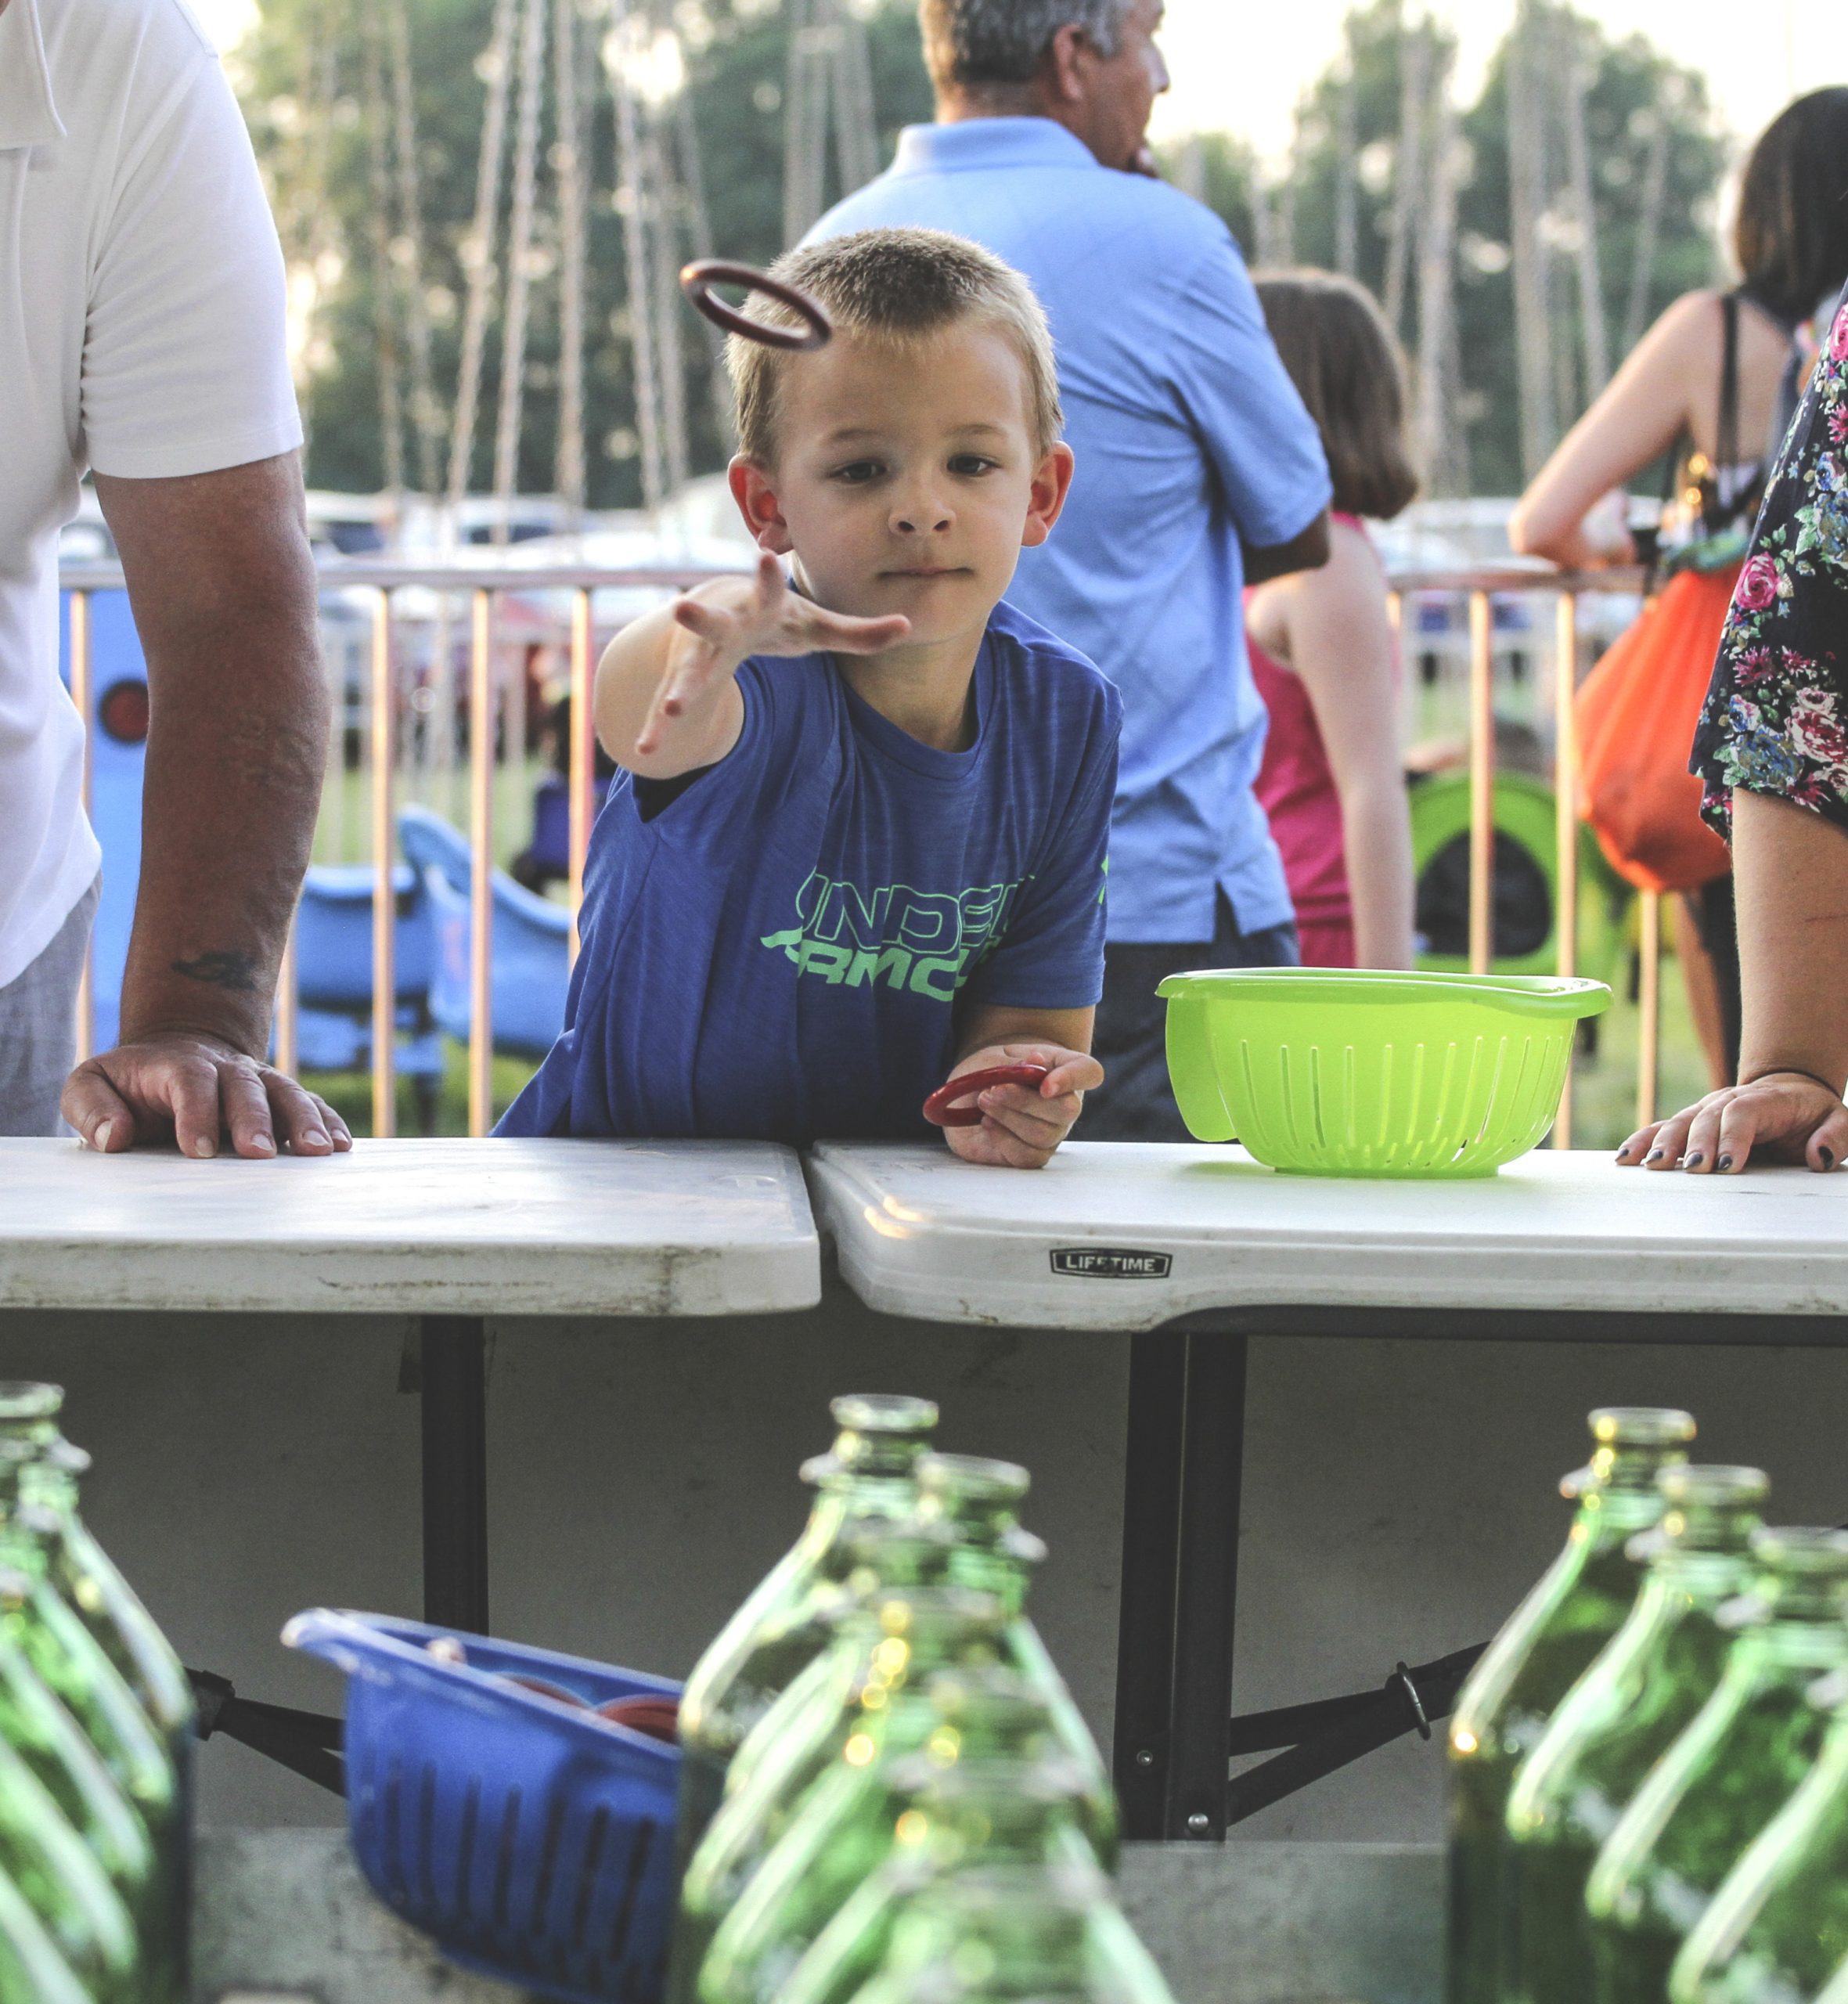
(1783, 1116)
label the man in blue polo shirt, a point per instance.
(1199, 472)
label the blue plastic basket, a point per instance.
(532, 1842)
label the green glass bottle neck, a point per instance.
(26, 1533)
(1832, 1763)
(992, 1572)
(999, 1823)
(29, 1415)
(1793, 1644)
(1694, 1589)
(845, 1502)
(890, 1443)
(1609, 1517)
(978, 1519)
(1014, 1735)
(927, 1646)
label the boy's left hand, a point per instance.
(1022, 1126)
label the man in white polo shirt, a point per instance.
(141, 333)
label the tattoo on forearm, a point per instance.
(230, 970)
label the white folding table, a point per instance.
(1192, 1251)
(446, 1231)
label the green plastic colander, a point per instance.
(1331, 1072)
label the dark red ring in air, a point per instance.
(697, 280)
(941, 1109)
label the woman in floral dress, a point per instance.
(1714, 382)
(1772, 753)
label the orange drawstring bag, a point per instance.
(1635, 718)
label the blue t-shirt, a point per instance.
(784, 949)
(1190, 439)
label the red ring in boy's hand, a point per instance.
(697, 279)
(941, 1109)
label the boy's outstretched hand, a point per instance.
(714, 629)
(1022, 1126)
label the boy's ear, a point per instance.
(1052, 483)
(757, 503)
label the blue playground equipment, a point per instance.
(333, 938)
(531, 970)
(334, 971)
(118, 727)
(334, 929)
(547, 858)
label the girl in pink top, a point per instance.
(1321, 644)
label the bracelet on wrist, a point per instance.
(1792, 1072)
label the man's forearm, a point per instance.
(237, 754)
(222, 586)
(1306, 552)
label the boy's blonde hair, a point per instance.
(899, 287)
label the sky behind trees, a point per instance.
(1239, 66)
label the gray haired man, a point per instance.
(1198, 471)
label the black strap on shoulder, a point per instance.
(308, 1743)
(1727, 454)
(1330, 1733)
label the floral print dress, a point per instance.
(1776, 717)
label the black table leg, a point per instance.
(454, 1472)
(1151, 1544)
(1212, 1467)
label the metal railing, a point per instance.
(1479, 589)
(482, 586)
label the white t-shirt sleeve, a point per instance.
(186, 355)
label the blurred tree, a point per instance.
(304, 84)
(1655, 158)
(1358, 194)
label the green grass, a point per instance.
(350, 1093)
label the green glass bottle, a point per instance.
(975, 1813)
(980, 1500)
(1617, 1720)
(1777, 1930)
(37, 1621)
(845, 1826)
(32, 1971)
(1546, 1646)
(893, 1644)
(68, 1889)
(894, 1556)
(1836, 1990)
(1002, 1933)
(785, 1623)
(38, 1466)
(1733, 1769)
(41, 1731)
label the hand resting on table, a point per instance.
(1785, 1116)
